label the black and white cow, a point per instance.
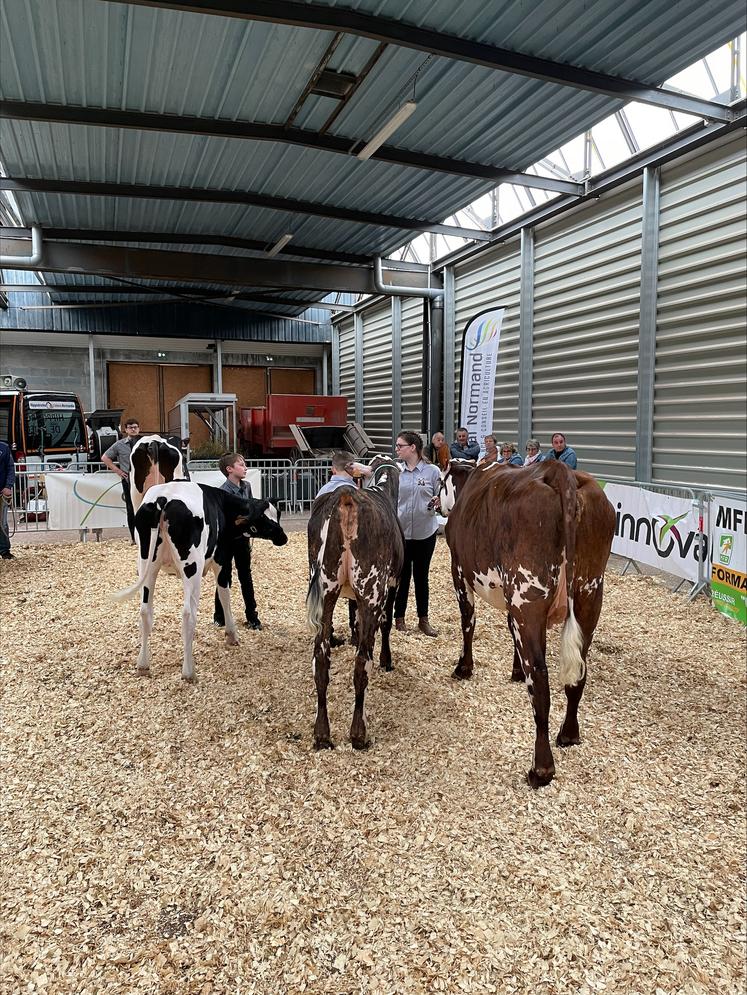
(192, 527)
(154, 460)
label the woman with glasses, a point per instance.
(418, 485)
(509, 455)
(534, 453)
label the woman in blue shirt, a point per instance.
(418, 485)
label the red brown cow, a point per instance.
(356, 550)
(533, 542)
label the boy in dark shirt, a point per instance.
(233, 468)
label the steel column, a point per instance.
(358, 318)
(526, 334)
(335, 358)
(449, 366)
(647, 331)
(436, 308)
(396, 367)
(218, 366)
(325, 374)
(92, 372)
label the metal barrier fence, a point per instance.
(294, 485)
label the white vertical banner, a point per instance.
(482, 337)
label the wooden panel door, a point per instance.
(180, 380)
(135, 387)
(292, 381)
(248, 383)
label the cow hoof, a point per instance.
(360, 744)
(191, 679)
(143, 671)
(540, 778)
(461, 673)
(565, 740)
(517, 676)
(323, 744)
(388, 667)
(231, 639)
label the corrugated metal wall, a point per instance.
(412, 363)
(347, 363)
(377, 374)
(700, 408)
(586, 318)
(493, 282)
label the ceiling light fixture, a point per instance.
(384, 132)
(280, 244)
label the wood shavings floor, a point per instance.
(160, 837)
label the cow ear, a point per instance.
(241, 521)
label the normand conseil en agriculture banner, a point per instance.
(482, 337)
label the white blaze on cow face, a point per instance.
(272, 513)
(447, 494)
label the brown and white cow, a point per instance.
(533, 542)
(356, 550)
(154, 460)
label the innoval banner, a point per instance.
(657, 529)
(729, 557)
(482, 337)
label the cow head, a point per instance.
(385, 476)
(453, 479)
(154, 460)
(262, 521)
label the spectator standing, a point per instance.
(509, 455)
(534, 453)
(7, 479)
(561, 451)
(418, 485)
(491, 451)
(120, 453)
(462, 448)
(439, 450)
(233, 468)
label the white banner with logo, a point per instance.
(729, 557)
(96, 501)
(482, 337)
(657, 529)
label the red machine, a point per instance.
(292, 425)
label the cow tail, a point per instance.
(315, 600)
(572, 666)
(132, 591)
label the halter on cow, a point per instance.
(533, 542)
(356, 551)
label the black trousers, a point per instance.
(128, 506)
(242, 559)
(418, 556)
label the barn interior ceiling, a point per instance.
(166, 149)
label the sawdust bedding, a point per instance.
(161, 837)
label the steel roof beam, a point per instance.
(245, 198)
(106, 117)
(198, 293)
(197, 267)
(328, 18)
(179, 238)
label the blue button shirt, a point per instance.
(417, 488)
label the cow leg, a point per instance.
(385, 655)
(587, 609)
(517, 672)
(146, 627)
(363, 660)
(530, 636)
(191, 587)
(466, 598)
(353, 620)
(322, 738)
(223, 594)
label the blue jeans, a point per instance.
(4, 537)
